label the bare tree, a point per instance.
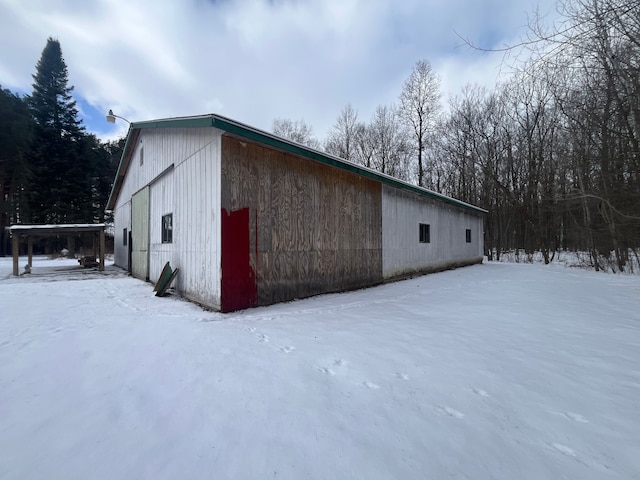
(419, 106)
(297, 131)
(567, 168)
(365, 145)
(391, 149)
(343, 137)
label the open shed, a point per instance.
(21, 232)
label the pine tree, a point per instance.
(15, 136)
(60, 186)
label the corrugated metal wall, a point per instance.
(190, 191)
(312, 228)
(122, 221)
(403, 254)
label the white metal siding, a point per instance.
(402, 252)
(122, 220)
(191, 192)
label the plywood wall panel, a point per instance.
(315, 228)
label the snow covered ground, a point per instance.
(497, 371)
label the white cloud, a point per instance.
(252, 60)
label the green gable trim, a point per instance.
(185, 122)
(132, 137)
(253, 134)
(296, 149)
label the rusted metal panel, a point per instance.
(313, 228)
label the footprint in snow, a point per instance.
(335, 363)
(370, 386)
(480, 392)
(287, 349)
(250, 329)
(402, 376)
(450, 412)
(263, 338)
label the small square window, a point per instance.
(468, 235)
(425, 233)
(124, 237)
(167, 228)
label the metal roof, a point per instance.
(58, 229)
(247, 132)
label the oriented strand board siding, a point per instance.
(312, 228)
(403, 254)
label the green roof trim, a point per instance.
(236, 128)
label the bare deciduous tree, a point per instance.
(391, 150)
(297, 131)
(343, 137)
(565, 168)
(419, 106)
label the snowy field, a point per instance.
(496, 371)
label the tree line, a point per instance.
(552, 152)
(51, 170)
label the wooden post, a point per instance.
(15, 250)
(71, 246)
(102, 249)
(30, 250)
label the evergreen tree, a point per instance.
(15, 136)
(60, 186)
(105, 159)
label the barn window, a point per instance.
(425, 233)
(167, 228)
(468, 234)
(124, 237)
(141, 156)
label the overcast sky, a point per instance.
(254, 60)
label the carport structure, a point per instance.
(19, 232)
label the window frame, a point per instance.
(424, 232)
(167, 233)
(467, 234)
(125, 237)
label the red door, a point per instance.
(239, 289)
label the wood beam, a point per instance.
(15, 247)
(102, 249)
(30, 250)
